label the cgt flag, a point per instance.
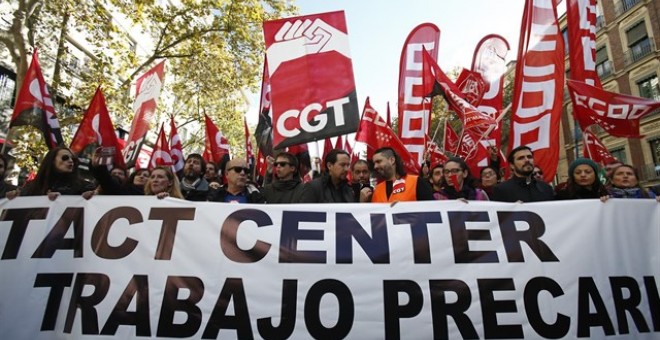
(148, 88)
(216, 145)
(96, 130)
(34, 106)
(311, 78)
(618, 114)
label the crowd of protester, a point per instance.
(288, 180)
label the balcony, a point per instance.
(638, 51)
(605, 69)
(623, 6)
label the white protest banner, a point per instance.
(131, 267)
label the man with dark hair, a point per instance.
(193, 185)
(437, 177)
(361, 178)
(287, 186)
(522, 186)
(397, 185)
(332, 186)
(238, 189)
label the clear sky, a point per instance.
(377, 30)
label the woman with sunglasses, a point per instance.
(163, 183)
(58, 175)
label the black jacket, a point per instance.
(517, 189)
(288, 191)
(110, 186)
(5, 187)
(321, 190)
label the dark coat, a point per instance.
(517, 189)
(200, 193)
(288, 191)
(110, 186)
(321, 190)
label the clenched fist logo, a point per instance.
(300, 38)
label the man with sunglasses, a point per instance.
(287, 186)
(237, 189)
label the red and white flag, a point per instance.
(595, 149)
(375, 133)
(581, 21)
(216, 145)
(176, 148)
(148, 88)
(161, 154)
(311, 78)
(434, 78)
(339, 143)
(538, 88)
(34, 106)
(472, 86)
(435, 154)
(618, 114)
(489, 61)
(414, 110)
(96, 129)
(474, 152)
(249, 155)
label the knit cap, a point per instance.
(581, 161)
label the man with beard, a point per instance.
(361, 179)
(397, 185)
(437, 177)
(287, 186)
(522, 186)
(193, 185)
(332, 186)
(237, 189)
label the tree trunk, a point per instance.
(61, 54)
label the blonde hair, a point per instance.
(175, 188)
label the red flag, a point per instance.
(474, 153)
(450, 139)
(216, 145)
(472, 86)
(261, 165)
(473, 120)
(161, 154)
(176, 148)
(376, 134)
(34, 106)
(581, 22)
(489, 62)
(311, 78)
(618, 114)
(453, 178)
(595, 149)
(414, 112)
(339, 143)
(327, 146)
(248, 145)
(435, 154)
(538, 88)
(96, 129)
(297, 149)
(148, 88)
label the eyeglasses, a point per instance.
(239, 169)
(282, 164)
(451, 171)
(538, 173)
(66, 158)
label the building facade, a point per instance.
(627, 62)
